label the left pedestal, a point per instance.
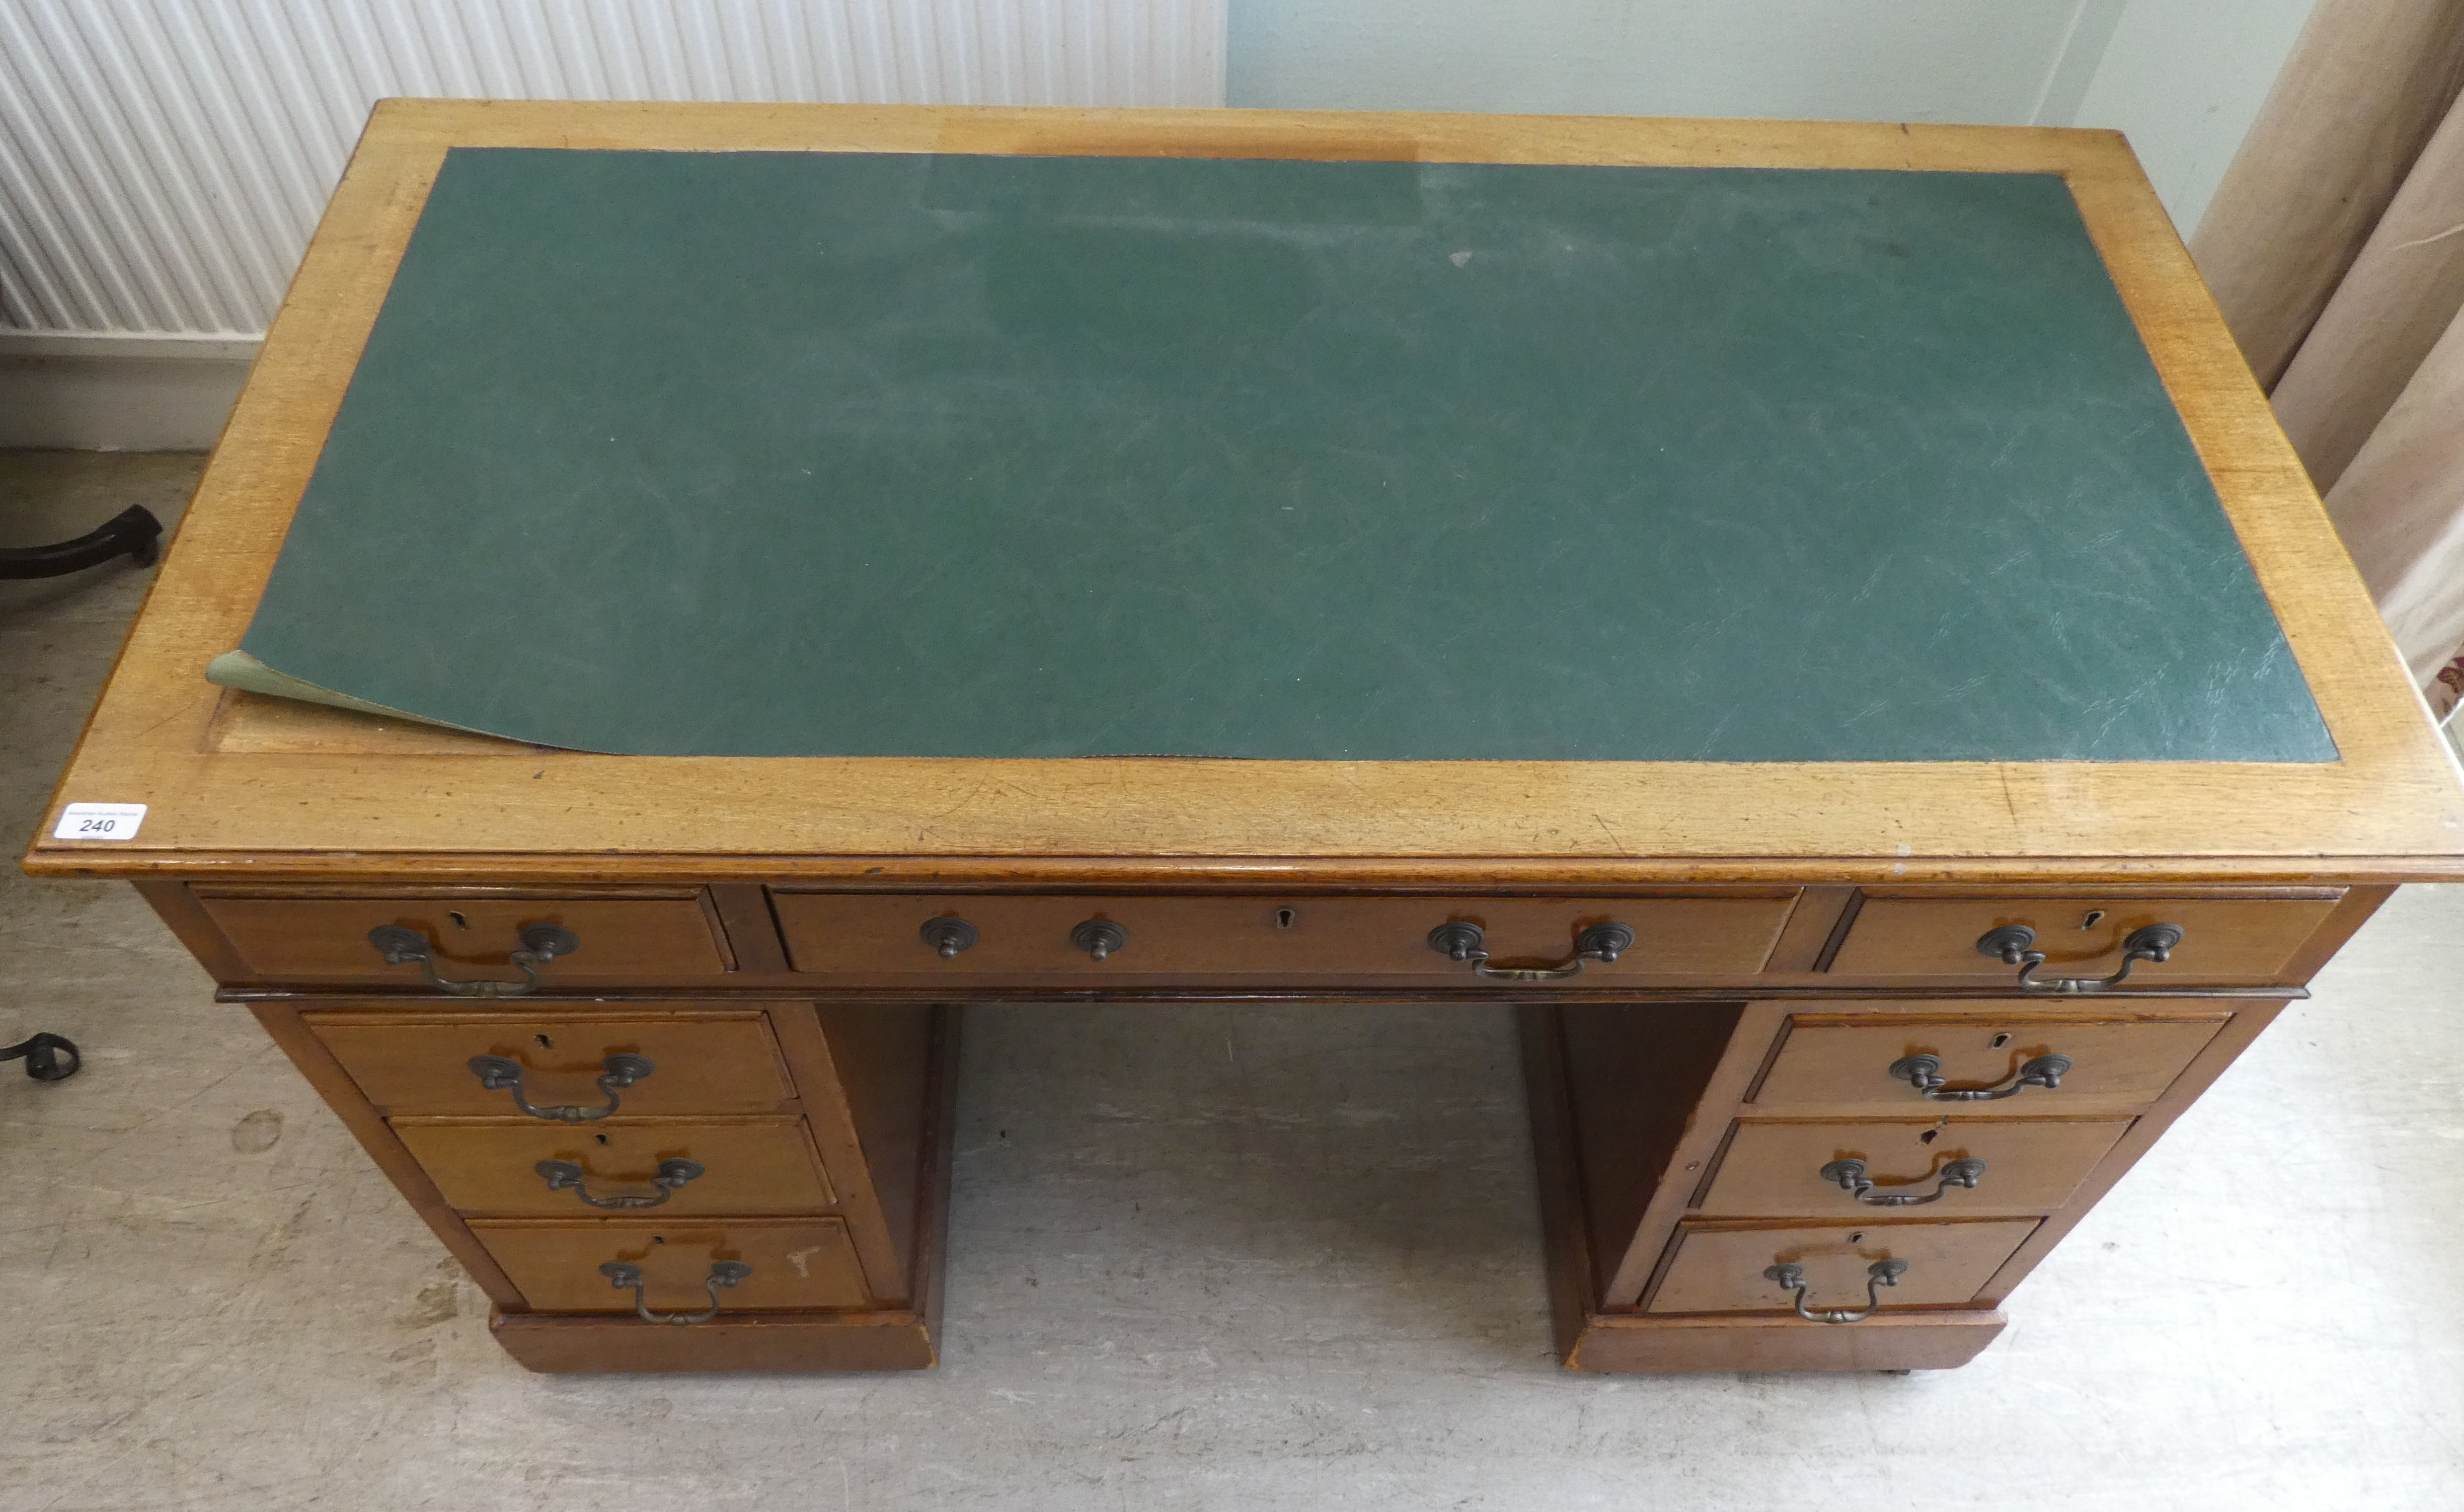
(660, 1186)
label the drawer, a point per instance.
(708, 1061)
(2117, 1060)
(1774, 1169)
(618, 939)
(749, 1165)
(1287, 939)
(797, 1263)
(1719, 1266)
(2224, 940)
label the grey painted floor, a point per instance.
(1209, 1258)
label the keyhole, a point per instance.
(1283, 918)
(658, 1238)
(601, 1138)
(546, 1044)
(459, 922)
(1856, 1239)
(1929, 1136)
(1999, 1041)
(2095, 917)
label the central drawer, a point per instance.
(748, 1165)
(1663, 938)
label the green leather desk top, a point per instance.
(838, 455)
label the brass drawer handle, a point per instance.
(541, 943)
(1851, 1177)
(1879, 1275)
(622, 1274)
(564, 1176)
(2014, 945)
(1467, 942)
(497, 1074)
(1924, 1072)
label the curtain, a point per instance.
(2335, 247)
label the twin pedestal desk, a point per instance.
(1878, 953)
(1784, 1127)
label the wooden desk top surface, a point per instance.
(236, 784)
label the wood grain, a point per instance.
(797, 1263)
(752, 1164)
(1772, 1168)
(1631, 1257)
(1719, 1265)
(865, 1105)
(582, 1344)
(1634, 1075)
(2391, 809)
(1565, 1227)
(2123, 1055)
(708, 1060)
(2225, 941)
(1295, 938)
(326, 939)
(1591, 1341)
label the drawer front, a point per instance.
(1305, 938)
(2224, 941)
(749, 1165)
(798, 1263)
(2030, 1165)
(1719, 1268)
(2116, 1061)
(709, 1061)
(632, 939)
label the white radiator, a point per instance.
(163, 162)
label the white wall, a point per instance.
(2183, 78)
(161, 162)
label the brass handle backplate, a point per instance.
(726, 1273)
(563, 1175)
(2014, 945)
(541, 943)
(1467, 942)
(499, 1074)
(949, 936)
(1849, 1177)
(1100, 939)
(1879, 1275)
(1924, 1072)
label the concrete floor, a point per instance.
(1237, 1258)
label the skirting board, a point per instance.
(101, 392)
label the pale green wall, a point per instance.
(2183, 77)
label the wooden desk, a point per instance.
(1803, 1074)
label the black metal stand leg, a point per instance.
(48, 1057)
(133, 532)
